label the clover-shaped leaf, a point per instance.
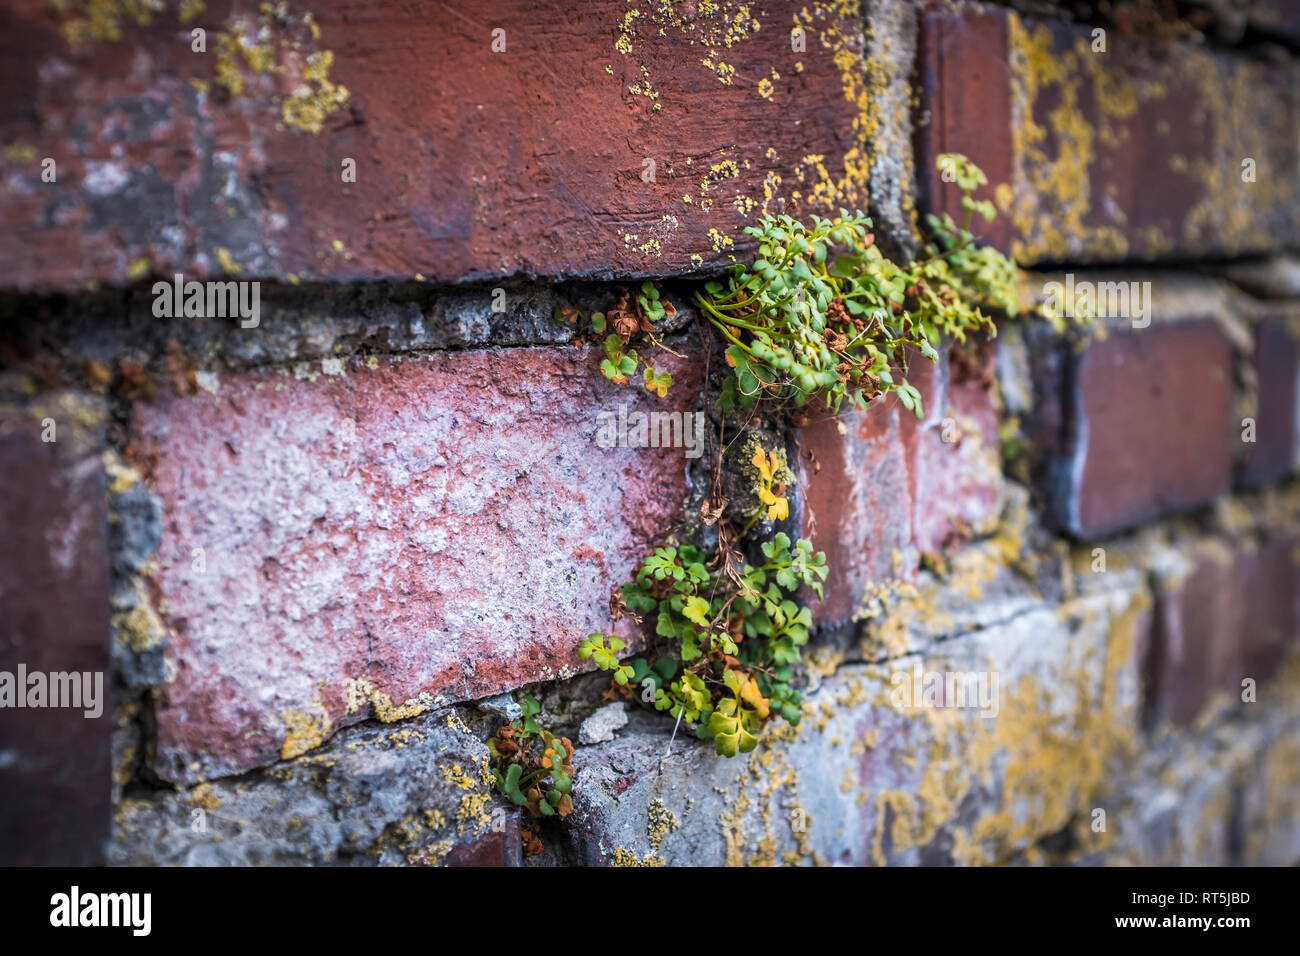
(509, 785)
(736, 722)
(732, 729)
(605, 655)
(612, 372)
(696, 610)
(657, 381)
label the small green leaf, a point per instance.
(657, 382)
(696, 610)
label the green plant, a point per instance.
(616, 328)
(725, 641)
(957, 277)
(605, 655)
(822, 312)
(531, 765)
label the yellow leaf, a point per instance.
(750, 695)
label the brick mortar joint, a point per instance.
(308, 325)
(356, 329)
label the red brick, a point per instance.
(1149, 427)
(857, 501)
(55, 775)
(1235, 616)
(1268, 582)
(496, 848)
(967, 85)
(1134, 153)
(958, 490)
(890, 485)
(443, 525)
(1271, 457)
(1194, 644)
(470, 164)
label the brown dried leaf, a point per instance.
(624, 324)
(617, 606)
(532, 844)
(132, 380)
(97, 374)
(180, 369)
(711, 509)
(622, 318)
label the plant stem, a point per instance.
(745, 302)
(723, 329)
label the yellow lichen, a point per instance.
(140, 628)
(1059, 149)
(103, 19)
(661, 822)
(204, 797)
(264, 46)
(316, 98)
(361, 692)
(227, 261)
(22, 153)
(304, 731)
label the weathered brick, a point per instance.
(867, 778)
(1146, 426)
(857, 501)
(1224, 796)
(1270, 805)
(1135, 153)
(419, 794)
(958, 487)
(367, 542)
(527, 161)
(1272, 455)
(1195, 650)
(1230, 613)
(54, 763)
(1268, 595)
(962, 62)
(499, 847)
(889, 486)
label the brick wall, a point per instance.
(318, 557)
